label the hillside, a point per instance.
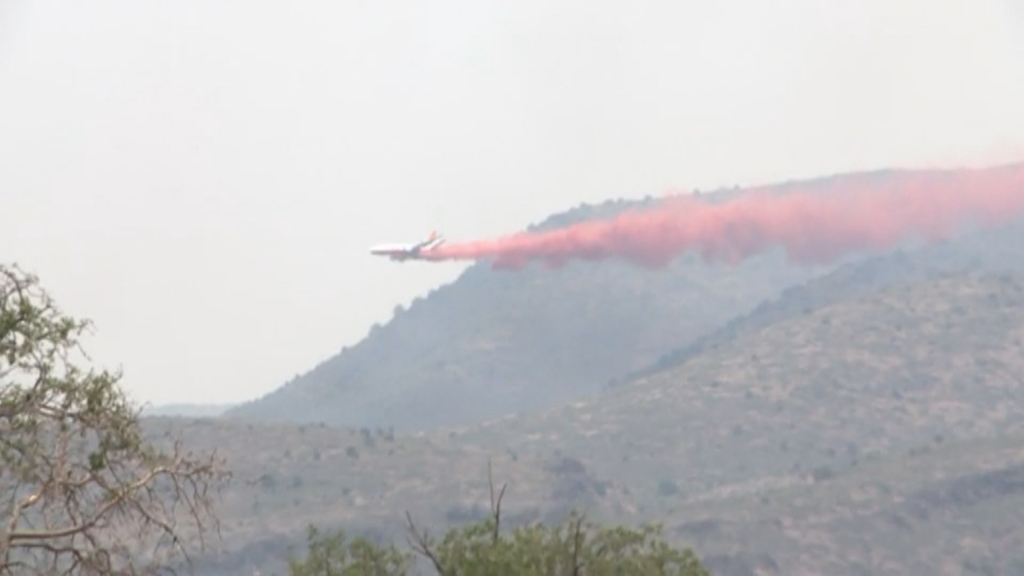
(287, 476)
(946, 508)
(832, 441)
(482, 346)
(999, 250)
(872, 375)
(956, 505)
(497, 342)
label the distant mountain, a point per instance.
(187, 410)
(494, 343)
(807, 399)
(879, 433)
(871, 374)
(999, 250)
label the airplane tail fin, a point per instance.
(433, 240)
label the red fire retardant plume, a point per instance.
(852, 215)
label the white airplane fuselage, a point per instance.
(400, 252)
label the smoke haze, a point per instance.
(812, 227)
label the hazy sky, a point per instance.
(203, 179)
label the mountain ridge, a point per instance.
(815, 443)
(481, 346)
(187, 409)
(968, 324)
(971, 252)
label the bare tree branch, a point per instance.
(577, 545)
(495, 502)
(420, 543)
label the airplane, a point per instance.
(402, 252)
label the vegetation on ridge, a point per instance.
(797, 424)
(570, 548)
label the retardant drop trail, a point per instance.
(813, 227)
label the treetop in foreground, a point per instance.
(81, 490)
(575, 547)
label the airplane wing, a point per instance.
(407, 251)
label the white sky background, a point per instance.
(203, 179)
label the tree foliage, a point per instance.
(333, 554)
(575, 547)
(81, 489)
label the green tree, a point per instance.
(573, 548)
(333, 554)
(81, 489)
